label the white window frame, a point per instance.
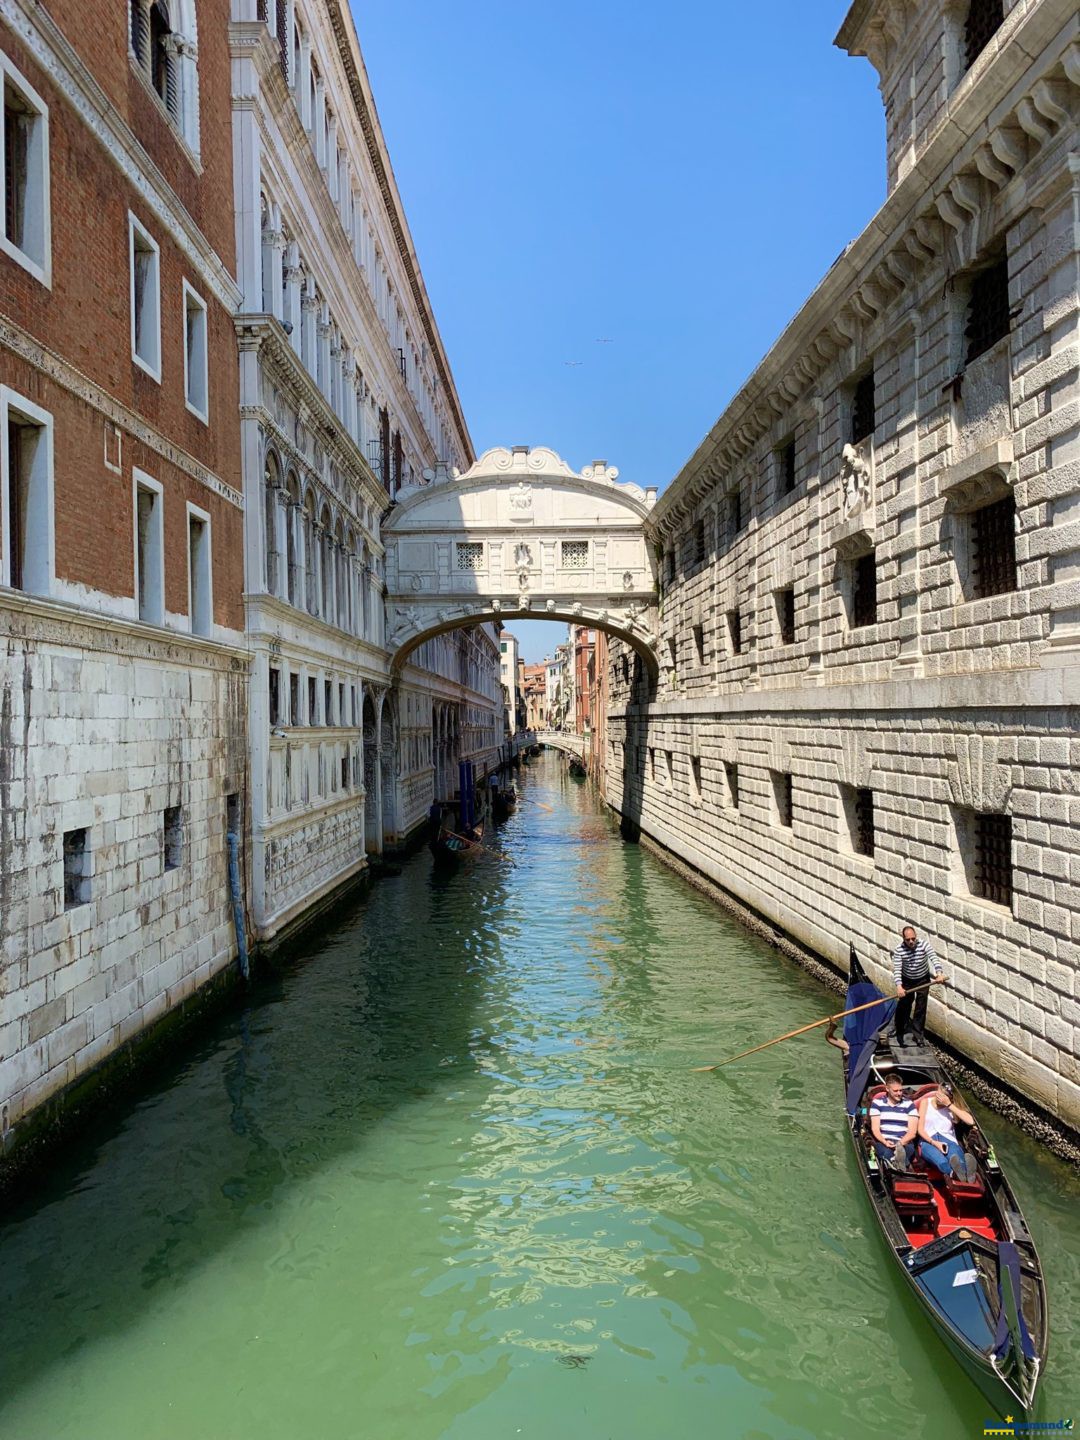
(190, 295)
(40, 270)
(134, 224)
(194, 513)
(41, 511)
(141, 481)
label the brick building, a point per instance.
(123, 735)
(870, 635)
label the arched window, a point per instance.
(292, 519)
(326, 566)
(164, 43)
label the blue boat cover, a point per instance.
(1009, 1259)
(861, 1030)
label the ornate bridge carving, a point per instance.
(520, 535)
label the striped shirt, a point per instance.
(893, 1119)
(911, 966)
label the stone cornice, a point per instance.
(937, 210)
(56, 56)
(31, 617)
(64, 374)
(356, 75)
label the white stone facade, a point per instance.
(867, 710)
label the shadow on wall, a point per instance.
(642, 692)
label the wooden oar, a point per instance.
(909, 990)
(479, 845)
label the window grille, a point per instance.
(862, 834)
(782, 790)
(76, 869)
(862, 409)
(731, 773)
(988, 309)
(172, 851)
(993, 858)
(785, 610)
(470, 556)
(984, 17)
(864, 590)
(735, 510)
(993, 549)
(282, 9)
(699, 543)
(575, 554)
(734, 620)
(787, 468)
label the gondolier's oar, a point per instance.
(479, 845)
(884, 1000)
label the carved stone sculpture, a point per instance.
(855, 479)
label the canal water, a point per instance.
(450, 1177)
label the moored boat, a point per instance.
(450, 846)
(963, 1247)
(576, 768)
(503, 801)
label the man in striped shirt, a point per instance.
(913, 961)
(893, 1123)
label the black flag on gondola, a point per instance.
(861, 1030)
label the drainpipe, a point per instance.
(233, 841)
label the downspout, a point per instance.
(233, 841)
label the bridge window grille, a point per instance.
(984, 17)
(734, 622)
(864, 590)
(470, 556)
(787, 468)
(993, 549)
(575, 554)
(731, 775)
(988, 309)
(993, 858)
(785, 614)
(862, 409)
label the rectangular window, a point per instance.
(731, 775)
(652, 763)
(145, 299)
(76, 868)
(149, 549)
(988, 309)
(232, 814)
(698, 632)
(782, 797)
(864, 590)
(862, 409)
(294, 699)
(344, 772)
(328, 703)
(858, 806)
(984, 17)
(200, 593)
(26, 495)
(24, 164)
(734, 624)
(698, 555)
(575, 554)
(311, 692)
(355, 716)
(785, 614)
(787, 467)
(341, 703)
(735, 511)
(993, 549)
(695, 779)
(196, 355)
(172, 845)
(274, 696)
(992, 875)
(470, 555)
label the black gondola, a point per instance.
(503, 801)
(577, 768)
(964, 1249)
(450, 846)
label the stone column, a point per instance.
(292, 311)
(303, 84)
(309, 337)
(322, 370)
(332, 158)
(319, 121)
(348, 391)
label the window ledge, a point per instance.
(41, 273)
(985, 475)
(191, 155)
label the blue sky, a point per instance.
(673, 180)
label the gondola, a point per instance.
(503, 801)
(450, 846)
(576, 768)
(964, 1249)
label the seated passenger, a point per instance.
(893, 1122)
(938, 1114)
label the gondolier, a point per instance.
(914, 965)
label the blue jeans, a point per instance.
(886, 1152)
(932, 1154)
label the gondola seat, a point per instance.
(913, 1196)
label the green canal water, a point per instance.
(450, 1175)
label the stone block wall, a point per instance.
(102, 731)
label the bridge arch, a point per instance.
(520, 535)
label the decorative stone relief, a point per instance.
(978, 778)
(523, 557)
(855, 478)
(521, 502)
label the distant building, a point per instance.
(534, 687)
(508, 674)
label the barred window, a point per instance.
(988, 309)
(864, 590)
(785, 614)
(782, 797)
(698, 544)
(575, 554)
(862, 409)
(859, 812)
(993, 549)
(731, 774)
(787, 468)
(734, 622)
(984, 17)
(735, 510)
(993, 858)
(470, 555)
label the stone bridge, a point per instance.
(560, 740)
(520, 536)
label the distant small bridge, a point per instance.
(560, 740)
